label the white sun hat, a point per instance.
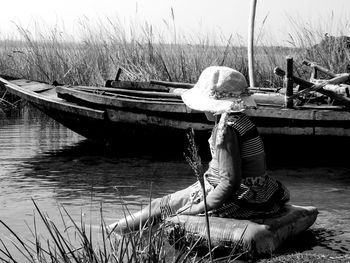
(218, 90)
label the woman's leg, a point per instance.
(173, 202)
(133, 222)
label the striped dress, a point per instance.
(258, 194)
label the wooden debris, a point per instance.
(319, 68)
(306, 86)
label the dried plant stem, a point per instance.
(206, 218)
(196, 164)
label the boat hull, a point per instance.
(111, 118)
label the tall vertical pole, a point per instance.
(288, 82)
(251, 43)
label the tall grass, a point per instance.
(326, 43)
(49, 56)
(194, 160)
(75, 243)
(143, 53)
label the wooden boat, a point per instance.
(131, 119)
(100, 113)
(166, 108)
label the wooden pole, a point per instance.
(118, 74)
(251, 43)
(288, 82)
(306, 84)
(318, 67)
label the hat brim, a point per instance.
(194, 99)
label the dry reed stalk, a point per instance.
(194, 160)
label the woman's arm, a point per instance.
(229, 161)
(230, 165)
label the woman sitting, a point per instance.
(236, 182)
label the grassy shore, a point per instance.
(75, 242)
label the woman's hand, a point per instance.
(191, 209)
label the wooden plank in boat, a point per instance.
(260, 97)
(322, 107)
(159, 106)
(138, 85)
(332, 131)
(32, 85)
(131, 92)
(52, 103)
(287, 130)
(172, 84)
(146, 119)
(314, 114)
(332, 115)
(139, 98)
(279, 112)
(21, 82)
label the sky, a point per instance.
(193, 18)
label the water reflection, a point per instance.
(85, 169)
(47, 162)
(41, 159)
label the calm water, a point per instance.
(44, 161)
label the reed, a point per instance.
(108, 45)
(326, 43)
(75, 242)
(144, 56)
(195, 162)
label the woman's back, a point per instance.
(237, 128)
